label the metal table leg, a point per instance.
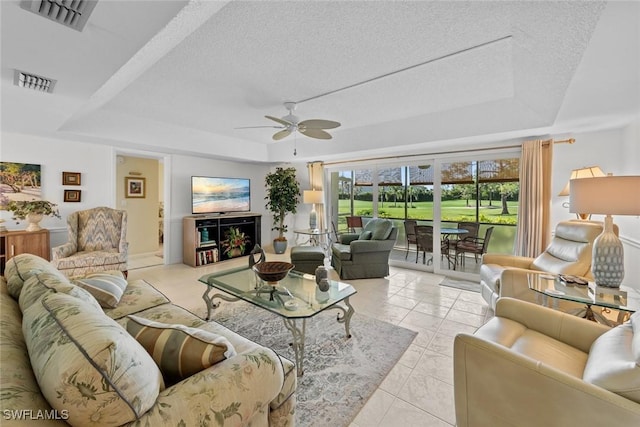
(346, 315)
(209, 300)
(298, 341)
(299, 333)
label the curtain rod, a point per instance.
(561, 141)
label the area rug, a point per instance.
(461, 284)
(340, 374)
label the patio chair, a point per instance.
(354, 222)
(410, 233)
(424, 242)
(476, 246)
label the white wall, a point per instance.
(97, 163)
(94, 162)
(184, 167)
(615, 151)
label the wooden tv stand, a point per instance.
(204, 237)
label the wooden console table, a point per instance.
(18, 242)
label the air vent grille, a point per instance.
(70, 13)
(31, 81)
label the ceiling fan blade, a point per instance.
(315, 133)
(282, 134)
(319, 124)
(282, 122)
(257, 127)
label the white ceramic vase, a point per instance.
(34, 221)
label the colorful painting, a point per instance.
(19, 181)
(134, 187)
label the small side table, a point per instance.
(313, 237)
(625, 300)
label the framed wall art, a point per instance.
(72, 195)
(19, 181)
(134, 187)
(71, 178)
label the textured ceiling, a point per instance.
(182, 79)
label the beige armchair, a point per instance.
(568, 253)
(532, 366)
(97, 242)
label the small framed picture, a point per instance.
(72, 195)
(134, 187)
(71, 178)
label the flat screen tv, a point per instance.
(220, 195)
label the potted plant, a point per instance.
(32, 211)
(236, 242)
(283, 195)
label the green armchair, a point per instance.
(365, 255)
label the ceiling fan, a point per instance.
(313, 128)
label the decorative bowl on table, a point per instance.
(273, 271)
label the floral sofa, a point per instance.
(67, 360)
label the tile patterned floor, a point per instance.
(419, 389)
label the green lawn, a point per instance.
(452, 210)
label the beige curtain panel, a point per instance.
(534, 230)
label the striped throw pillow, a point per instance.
(106, 287)
(179, 351)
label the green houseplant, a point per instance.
(283, 195)
(32, 211)
(236, 242)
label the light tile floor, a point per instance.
(419, 389)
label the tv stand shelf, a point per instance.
(206, 238)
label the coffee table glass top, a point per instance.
(623, 298)
(242, 282)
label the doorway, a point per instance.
(140, 192)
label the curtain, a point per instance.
(316, 182)
(534, 231)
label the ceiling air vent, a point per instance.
(31, 81)
(70, 13)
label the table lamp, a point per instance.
(586, 172)
(313, 197)
(608, 195)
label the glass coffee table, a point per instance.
(299, 299)
(624, 299)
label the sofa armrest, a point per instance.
(64, 251)
(571, 330)
(346, 238)
(235, 389)
(495, 386)
(514, 284)
(507, 260)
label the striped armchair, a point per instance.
(97, 242)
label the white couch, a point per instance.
(569, 253)
(532, 366)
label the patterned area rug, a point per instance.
(339, 374)
(461, 284)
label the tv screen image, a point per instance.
(220, 195)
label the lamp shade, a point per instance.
(608, 195)
(313, 196)
(588, 172)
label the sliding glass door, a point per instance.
(467, 206)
